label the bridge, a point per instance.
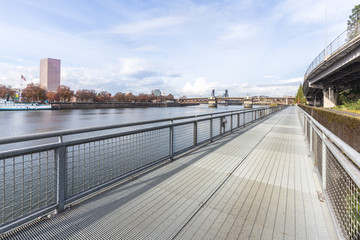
(264, 173)
(335, 69)
(240, 100)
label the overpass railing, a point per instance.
(345, 37)
(58, 168)
(338, 167)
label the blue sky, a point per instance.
(180, 47)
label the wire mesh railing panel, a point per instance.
(248, 117)
(319, 154)
(183, 137)
(91, 164)
(313, 147)
(27, 184)
(234, 121)
(216, 126)
(203, 131)
(344, 196)
(241, 119)
(227, 125)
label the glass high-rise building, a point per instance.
(50, 74)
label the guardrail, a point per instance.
(344, 38)
(36, 180)
(338, 167)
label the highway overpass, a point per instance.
(335, 69)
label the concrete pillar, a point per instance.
(330, 97)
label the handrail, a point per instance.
(345, 37)
(338, 168)
(345, 148)
(36, 136)
(69, 169)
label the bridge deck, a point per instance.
(257, 183)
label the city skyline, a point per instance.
(183, 48)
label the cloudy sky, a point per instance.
(255, 47)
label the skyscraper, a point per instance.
(50, 74)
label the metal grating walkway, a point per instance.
(257, 183)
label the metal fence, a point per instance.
(339, 172)
(42, 178)
(345, 37)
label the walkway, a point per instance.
(257, 183)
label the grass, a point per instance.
(349, 100)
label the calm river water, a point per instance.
(28, 182)
(25, 122)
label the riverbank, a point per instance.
(120, 105)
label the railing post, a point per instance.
(195, 134)
(171, 147)
(60, 178)
(231, 125)
(324, 160)
(221, 121)
(310, 139)
(211, 128)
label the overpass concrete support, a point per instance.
(330, 97)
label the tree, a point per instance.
(4, 91)
(300, 98)
(129, 97)
(143, 97)
(104, 96)
(119, 97)
(65, 93)
(33, 93)
(85, 95)
(52, 97)
(170, 97)
(354, 23)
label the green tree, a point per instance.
(300, 98)
(353, 23)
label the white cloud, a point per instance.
(199, 88)
(150, 26)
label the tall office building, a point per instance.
(50, 74)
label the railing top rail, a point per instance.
(347, 36)
(60, 133)
(345, 148)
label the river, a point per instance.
(28, 182)
(16, 123)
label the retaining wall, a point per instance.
(345, 126)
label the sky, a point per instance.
(186, 48)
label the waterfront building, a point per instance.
(156, 92)
(50, 74)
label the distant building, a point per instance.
(50, 74)
(156, 92)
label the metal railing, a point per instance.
(36, 180)
(344, 38)
(338, 166)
